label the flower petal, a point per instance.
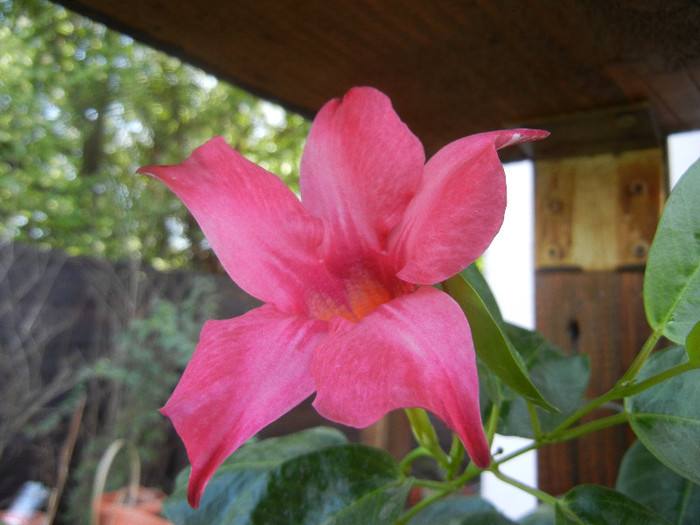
(246, 373)
(360, 167)
(414, 351)
(458, 207)
(257, 227)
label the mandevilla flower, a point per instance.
(345, 275)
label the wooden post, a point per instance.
(391, 433)
(598, 199)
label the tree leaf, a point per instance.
(489, 342)
(673, 497)
(460, 510)
(562, 379)
(666, 417)
(311, 477)
(596, 505)
(672, 280)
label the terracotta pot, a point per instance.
(113, 508)
(132, 505)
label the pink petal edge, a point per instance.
(245, 373)
(257, 227)
(458, 207)
(414, 351)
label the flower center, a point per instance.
(355, 296)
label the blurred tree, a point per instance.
(82, 107)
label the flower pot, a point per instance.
(115, 508)
(132, 505)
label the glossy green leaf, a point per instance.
(490, 344)
(692, 344)
(474, 277)
(596, 505)
(672, 280)
(562, 379)
(460, 510)
(341, 485)
(240, 481)
(666, 417)
(310, 477)
(673, 497)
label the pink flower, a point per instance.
(345, 275)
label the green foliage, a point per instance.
(595, 505)
(672, 279)
(460, 510)
(82, 107)
(562, 379)
(310, 477)
(490, 344)
(666, 417)
(675, 498)
(692, 344)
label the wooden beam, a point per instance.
(595, 218)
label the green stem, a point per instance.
(425, 502)
(456, 456)
(432, 484)
(532, 446)
(492, 423)
(636, 388)
(605, 398)
(426, 436)
(641, 358)
(534, 420)
(539, 494)
(622, 390)
(592, 426)
(416, 453)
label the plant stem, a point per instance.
(636, 388)
(492, 423)
(539, 494)
(428, 500)
(641, 358)
(432, 484)
(532, 446)
(621, 390)
(414, 454)
(592, 426)
(425, 435)
(534, 420)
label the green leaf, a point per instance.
(474, 277)
(489, 342)
(666, 417)
(240, 481)
(341, 485)
(562, 379)
(673, 497)
(596, 505)
(310, 477)
(692, 344)
(672, 280)
(460, 510)
(542, 515)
